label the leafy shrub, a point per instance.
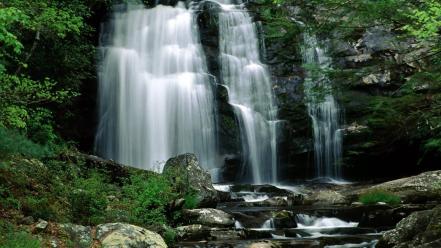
(150, 196)
(14, 143)
(88, 199)
(191, 200)
(376, 196)
(38, 207)
(169, 236)
(12, 238)
(7, 199)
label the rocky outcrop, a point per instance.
(187, 175)
(208, 217)
(420, 229)
(120, 235)
(421, 188)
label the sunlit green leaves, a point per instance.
(426, 20)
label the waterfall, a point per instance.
(250, 92)
(155, 96)
(323, 110)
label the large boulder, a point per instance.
(420, 229)
(120, 235)
(416, 189)
(188, 176)
(208, 217)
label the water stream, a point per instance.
(250, 92)
(323, 110)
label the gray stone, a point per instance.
(41, 225)
(120, 235)
(420, 229)
(208, 217)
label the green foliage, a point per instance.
(7, 199)
(150, 196)
(11, 237)
(191, 200)
(38, 207)
(169, 236)
(376, 196)
(14, 143)
(88, 199)
(426, 20)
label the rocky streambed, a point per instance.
(314, 214)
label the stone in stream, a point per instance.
(284, 219)
(186, 174)
(208, 217)
(199, 232)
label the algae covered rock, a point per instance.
(187, 175)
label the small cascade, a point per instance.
(250, 92)
(323, 110)
(155, 96)
(238, 225)
(268, 224)
(307, 221)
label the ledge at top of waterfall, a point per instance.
(155, 95)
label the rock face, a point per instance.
(209, 217)
(187, 175)
(420, 229)
(416, 189)
(120, 235)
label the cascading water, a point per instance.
(155, 95)
(324, 112)
(250, 92)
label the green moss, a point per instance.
(377, 196)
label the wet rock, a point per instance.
(420, 229)
(80, 236)
(192, 232)
(197, 232)
(208, 217)
(120, 235)
(264, 244)
(284, 219)
(185, 172)
(277, 201)
(326, 197)
(226, 234)
(253, 219)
